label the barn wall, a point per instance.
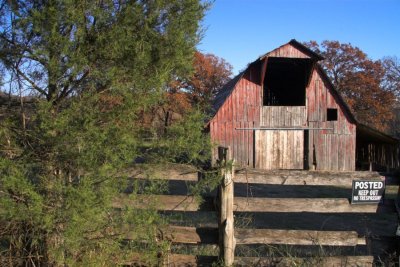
(279, 149)
(240, 110)
(287, 50)
(283, 116)
(332, 149)
(328, 149)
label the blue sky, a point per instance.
(241, 30)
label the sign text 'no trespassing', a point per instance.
(367, 191)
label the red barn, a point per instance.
(282, 112)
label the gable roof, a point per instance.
(224, 92)
(227, 89)
(304, 49)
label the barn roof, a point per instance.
(364, 130)
(300, 47)
(368, 134)
(224, 92)
(227, 89)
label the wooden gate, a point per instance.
(279, 149)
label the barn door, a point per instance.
(279, 149)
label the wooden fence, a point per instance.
(288, 210)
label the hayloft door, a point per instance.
(279, 149)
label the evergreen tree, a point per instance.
(92, 67)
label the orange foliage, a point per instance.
(359, 80)
(210, 74)
(107, 101)
(392, 75)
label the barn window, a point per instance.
(331, 114)
(286, 80)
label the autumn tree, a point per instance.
(92, 67)
(391, 81)
(359, 80)
(183, 94)
(210, 74)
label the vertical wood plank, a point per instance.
(226, 220)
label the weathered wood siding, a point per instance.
(287, 50)
(332, 149)
(328, 149)
(279, 149)
(283, 116)
(240, 110)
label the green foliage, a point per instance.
(64, 181)
(187, 136)
(59, 48)
(67, 175)
(99, 65)
(184, 141)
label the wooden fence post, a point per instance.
(226, 221)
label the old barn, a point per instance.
(282, 112)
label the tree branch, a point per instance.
(32, 83)
(23, 49)
(68, 89)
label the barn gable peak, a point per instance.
(293, 49)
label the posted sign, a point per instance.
(365, 191)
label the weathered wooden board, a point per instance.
(283, 116)
(163, 172)
(279, 149)
(366, 225)
(170, 260)
(322, 205)
(328, 149)
(163, 202)
(348, 261)
(181, 260)
(192, 235)
(199, 260)
(287, 50)
(298, 237)
(292, 177)
(241, 109)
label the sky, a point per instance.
(241, 30)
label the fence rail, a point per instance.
(379, 219)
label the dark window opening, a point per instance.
(286, 80)
(331, 114)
